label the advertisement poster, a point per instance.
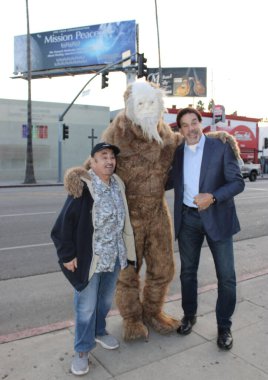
(218, 114)
(183, 82)
(245, 133)
(78, 47)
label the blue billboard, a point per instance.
(100, 44)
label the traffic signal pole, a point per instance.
(60, 126)
(61, 117)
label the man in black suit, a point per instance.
(205, 176)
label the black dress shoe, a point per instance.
(225, 339)
(186, 325)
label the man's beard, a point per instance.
(148, 125)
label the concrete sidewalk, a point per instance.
(47, 356)
(196, 356)
(15, 183)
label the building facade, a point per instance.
(86, 123)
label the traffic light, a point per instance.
(65, 132)
(142, 68)
(266, 142)
(104, 79)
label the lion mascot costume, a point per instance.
(147, 145)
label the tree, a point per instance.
(200, 106)
(29, 172)
(211, 105)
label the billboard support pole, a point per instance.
(130, 75)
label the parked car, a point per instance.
(249, 170)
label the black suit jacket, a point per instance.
(220, 175)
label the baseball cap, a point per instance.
(104, 145)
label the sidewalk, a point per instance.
(196, 356)
(47, 356)
(12, 183)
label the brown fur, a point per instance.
(143, 166)
(72, 180)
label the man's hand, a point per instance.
(203, 201)
(71, 265)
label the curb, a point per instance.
(36, 331)
(31, 185)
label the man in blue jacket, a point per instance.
(205, 176)
(94, 239)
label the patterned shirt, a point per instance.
(109, 224)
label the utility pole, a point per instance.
(158, 40)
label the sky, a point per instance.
(229, 38)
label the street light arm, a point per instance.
(61, 117)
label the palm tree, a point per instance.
(29, 172)
(211, 105)
(200, 106)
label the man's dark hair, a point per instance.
(186, 110)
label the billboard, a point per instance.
(183, 81)
(100, 44)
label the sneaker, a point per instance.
(80, 363)
(107, 341)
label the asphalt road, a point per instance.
(34, 292)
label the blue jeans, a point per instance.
(92, 305)
(191, 238)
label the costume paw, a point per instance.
(162, 323)
(134, 330)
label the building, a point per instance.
(85, 123)
(248, 132)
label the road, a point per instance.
(33, 291)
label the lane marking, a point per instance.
(29, 214)
(246, 198)
(255, 188)
(25, 246)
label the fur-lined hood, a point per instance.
(73, 180)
